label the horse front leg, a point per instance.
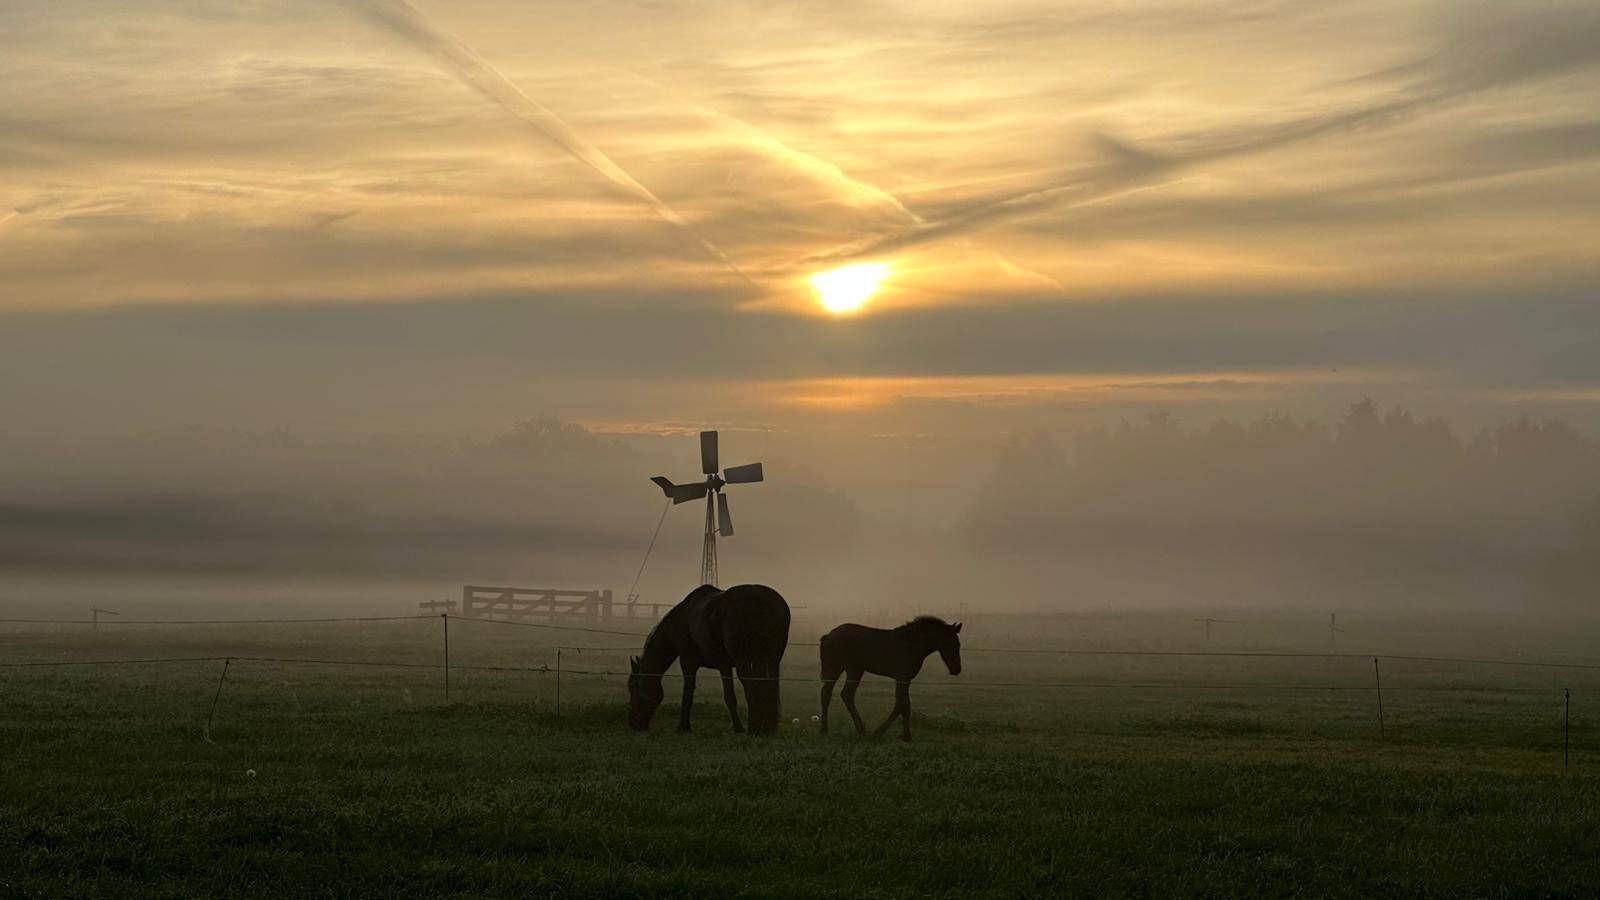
(688, 698)
(731, 697)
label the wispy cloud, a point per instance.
(1496, 49)
(403, 20)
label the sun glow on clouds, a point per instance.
(848, 288)
(873, 393)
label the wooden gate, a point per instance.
(550, 604)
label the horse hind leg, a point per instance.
(731, 698)
(775, 689)
(762, 695)
(756, 700)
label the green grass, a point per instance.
(369, 784)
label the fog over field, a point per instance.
(1378, 510)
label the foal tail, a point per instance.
(829, 653)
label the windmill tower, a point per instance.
(717, 519)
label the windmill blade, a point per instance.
(708, 452)
(681, 493)
(724, 523)
(743, 474)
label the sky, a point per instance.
(279, 278)
(440, 218)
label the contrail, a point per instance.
(823, 170)
(811, 164)
(1127, 170)
(403, 19)
(1131, 169)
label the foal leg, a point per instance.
(902, 710)
(732, 699)
(830, 676)
(903, 700)
(827, 696)
(852, 680)
(688, 698)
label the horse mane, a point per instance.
(921, 622)
(702, 589)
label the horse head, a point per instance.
(950, 648)
(644, 695)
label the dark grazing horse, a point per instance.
(896, 653)
(742, 629)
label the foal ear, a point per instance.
(957, 628)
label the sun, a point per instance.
(848, 288)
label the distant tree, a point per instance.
(1022, 493)
(549, 439)
(1372, 477)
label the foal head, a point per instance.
(937, 634)
(644, 695)
(950, 648)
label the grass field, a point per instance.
(367, 783)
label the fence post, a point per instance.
(558, 684)
(1377, 679)
(1566, 729)
(214, 698)
(446, 618)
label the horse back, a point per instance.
(745, 624)
(753, 623)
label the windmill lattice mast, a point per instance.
(717, 519)
(708, 547)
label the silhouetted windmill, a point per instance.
(1333, 628)
(717, 518)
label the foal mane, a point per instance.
(923, 622)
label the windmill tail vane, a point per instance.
(718, 519)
